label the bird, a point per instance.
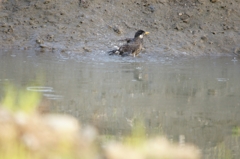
(132, 47)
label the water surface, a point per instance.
(197, 98)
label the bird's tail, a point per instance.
(113, 52)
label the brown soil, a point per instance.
(178, 27)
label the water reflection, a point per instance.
(197, 98)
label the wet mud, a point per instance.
(178, 27)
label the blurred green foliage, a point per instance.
(236, 130)
(20, 100)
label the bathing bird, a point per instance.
(132, 47)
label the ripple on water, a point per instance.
(222, 79)
(52, 96)
(46, 92)
(104, 57)
(40, 89)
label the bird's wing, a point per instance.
(128, 40)
(129, 47)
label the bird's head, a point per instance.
(140, 33)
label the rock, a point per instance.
(201, 1)
(117, 30)
(213, 1)
(237, 51)
(50, 37)
(31, 23)
(86, 49)
(204, 38)
(84, 3)
(2, 24)
(46, 2)
(184, 17)
(177, 27)
(39, 41)
(151, 8)
(52, 19)
(2, 15)
(163, 1)
(38, 5)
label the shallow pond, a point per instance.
(195, 99)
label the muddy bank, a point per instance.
(192, 27)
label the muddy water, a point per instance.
(197, 99)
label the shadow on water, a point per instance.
(197, 98)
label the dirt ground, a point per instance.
(177, 27)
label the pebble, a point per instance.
(38, 41)
(3, 15)
(117, 30)
(46, 2)
(213, 1)
(86, 49)
(237, 51)
(151, 8)
(204, 38)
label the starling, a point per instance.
(132, 47)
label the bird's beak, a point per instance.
(146, 33)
